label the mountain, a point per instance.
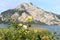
(39, 15)
(0, 18)
(58, 16)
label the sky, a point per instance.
(47, 5)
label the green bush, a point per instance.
(21, 34)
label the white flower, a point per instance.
(20, 24)
(24, 26)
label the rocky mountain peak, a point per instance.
(24, 5)
(39, 15)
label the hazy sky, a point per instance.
(48, 5)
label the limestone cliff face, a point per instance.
(38, 14)
(0, 18)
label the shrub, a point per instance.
(21, 34)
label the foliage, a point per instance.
(21, 34)
(19, 31)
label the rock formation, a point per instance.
(39, 15)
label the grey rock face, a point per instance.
(0, 18)
(25, 9)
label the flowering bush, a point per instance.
(19, 31)
(21, 34)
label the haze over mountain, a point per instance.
(39, 15)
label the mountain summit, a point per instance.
(39, 15)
